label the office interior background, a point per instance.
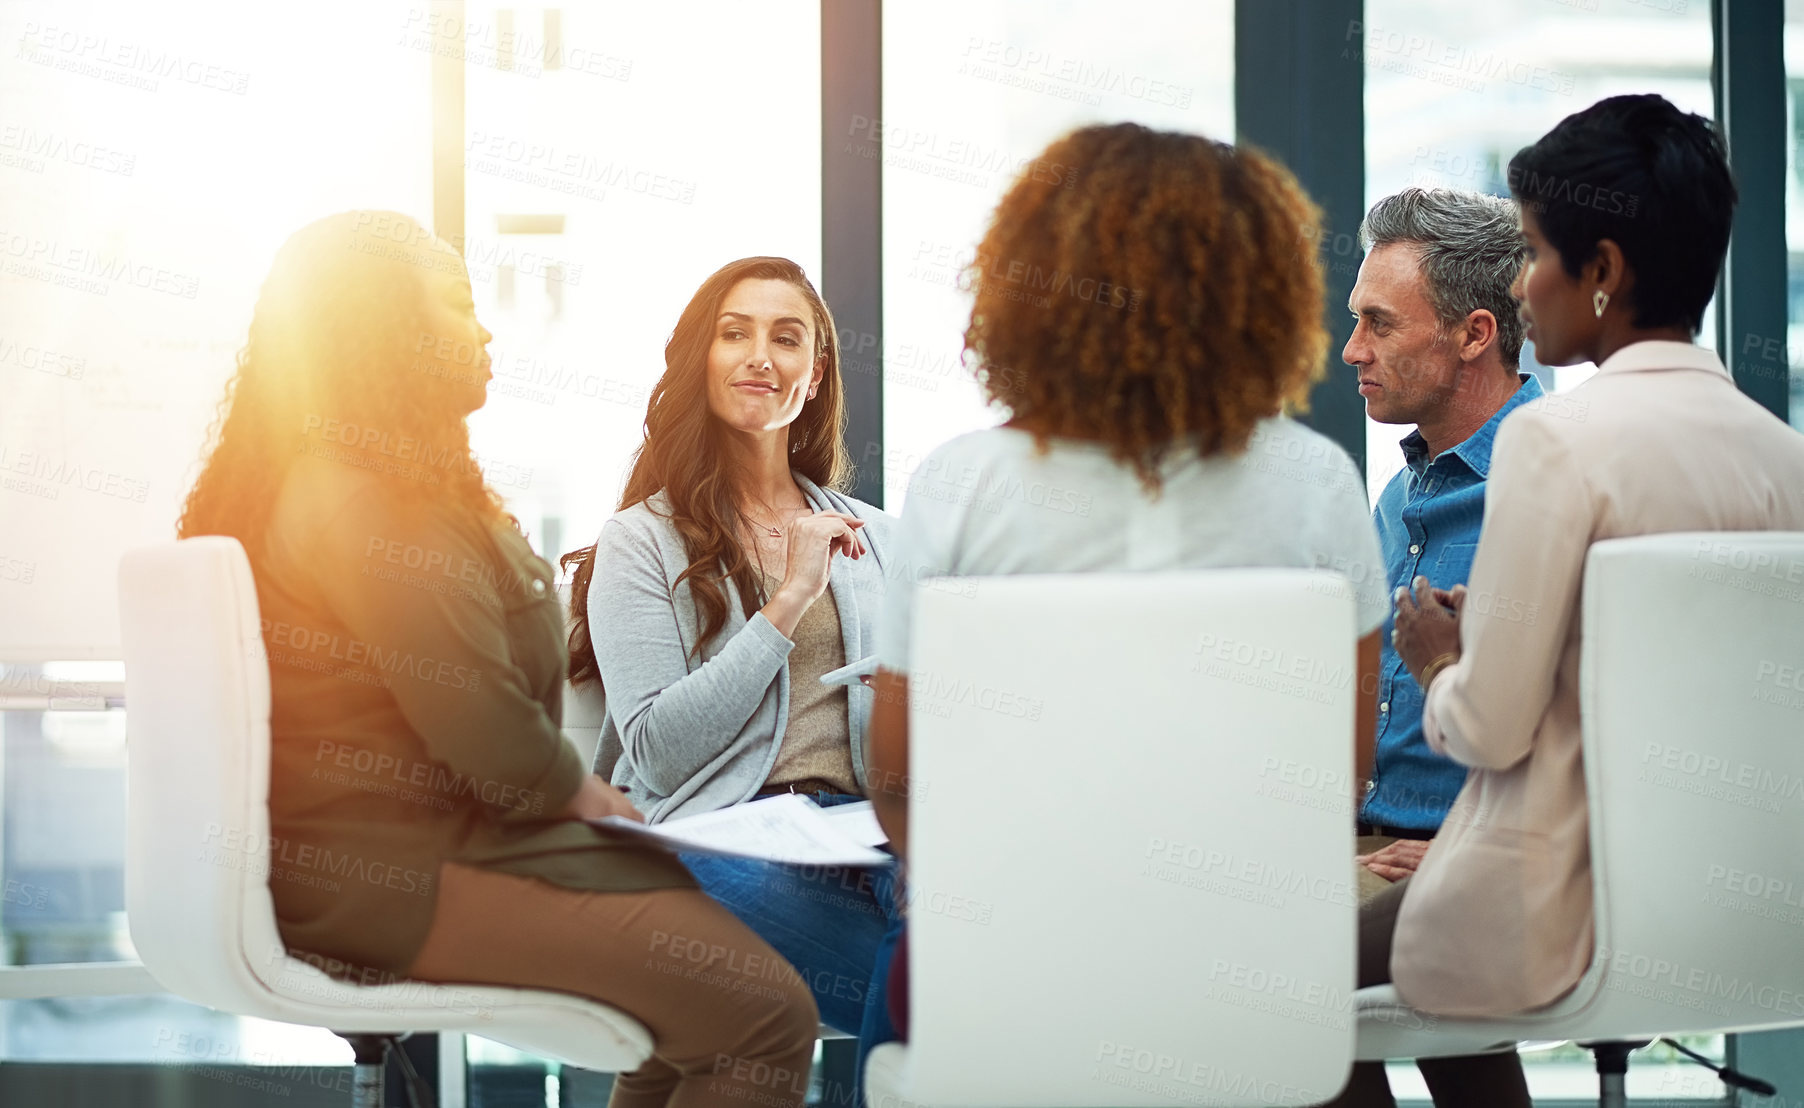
(596, 160)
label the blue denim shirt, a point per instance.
(1428, 519)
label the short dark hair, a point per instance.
(1651, 178)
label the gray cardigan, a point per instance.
(688, 733)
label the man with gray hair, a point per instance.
(1437, 344)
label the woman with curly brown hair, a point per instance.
(734, 575)
(427, 817)
(1144, 332)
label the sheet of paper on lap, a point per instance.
(791, 829)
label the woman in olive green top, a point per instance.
(427, 816)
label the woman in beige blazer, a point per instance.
(1626, 207)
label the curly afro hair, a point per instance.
(1170, 295)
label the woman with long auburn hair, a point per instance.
(734, 575)
(427, 817)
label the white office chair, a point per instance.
(1130, 842)
(197, 690)
(1692, 694)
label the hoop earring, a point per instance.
(1599, 300)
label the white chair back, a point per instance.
(1131, 858)
(197, 855)
(1692, 688)
(197, 771)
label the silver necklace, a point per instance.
(773, 532)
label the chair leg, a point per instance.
(369, 1068)
(1612, 1071)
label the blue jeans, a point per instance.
(837, 925)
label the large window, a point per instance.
(972, 93)
(1454, 90)
(152, 159)
(1794, 205)
(614, 156)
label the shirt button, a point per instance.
(1414, 549)
(1385, 707)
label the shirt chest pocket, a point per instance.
(1453, 565)
(534, 621)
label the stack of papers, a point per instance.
(789, 828)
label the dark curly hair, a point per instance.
(335, 334)
(1173, 294)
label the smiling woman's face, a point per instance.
(761, 363)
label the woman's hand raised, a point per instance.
(813, 541)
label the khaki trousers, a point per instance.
(732, 1023)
